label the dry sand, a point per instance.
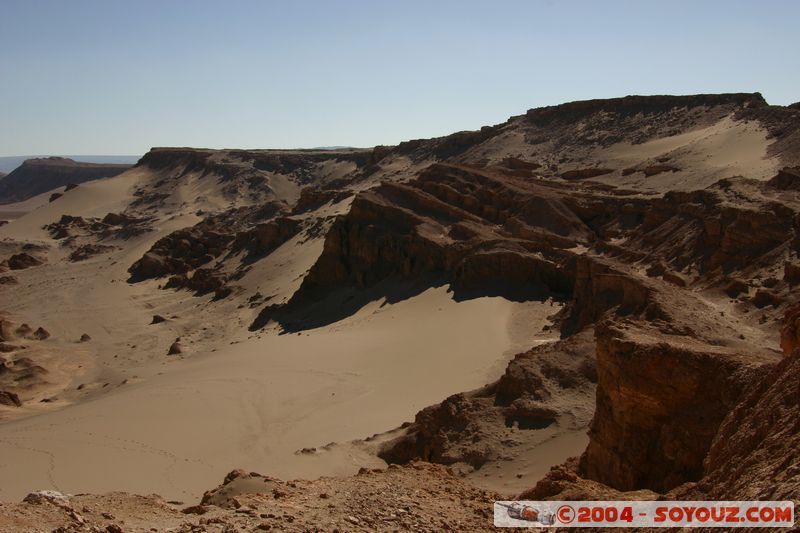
(176, 425)
(262, 400)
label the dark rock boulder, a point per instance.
(10, 399)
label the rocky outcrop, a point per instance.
(316, 197)
(787, 179)
(202, 281)
(10, 399)
(660, 402)
(480, 229)
(600, 287)
(540, 387)
(416, 497)
(181, 251)
(755, 455)
(265, 237)
(87, 251)
(790, 331)
(36, 176)
(636, 105)
(23, 260)
(112, 226)
(176, 348)
(257, 229)
(245, 177)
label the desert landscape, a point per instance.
(593, 300)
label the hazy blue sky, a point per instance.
(117, 77)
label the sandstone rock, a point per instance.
(7, 331)
(150, 265)
(265, 237)
(205, 280)
(790, 331)
(599, 287)
(238, 483)
(175, 348)
(87, 251)
(791, 272)
(735, 287)
(766, 297)
(659, 406)
(786, 179)
(47, 496)
(24, 330)
(40, 334)
(9, 398)
(675, 279)
(39, 175)
(315, 197)
(196, 509)
(23, 260)
(756, 453)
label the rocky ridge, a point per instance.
(672, 301)
(37, 176)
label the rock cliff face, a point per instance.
(660, 402)
(756, 453)
(36, 176)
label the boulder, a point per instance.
(766, 297)
(175, 348)
(9, 398)
(40, 334)
(7, 331)
(23, 260)
(735, 287)
(47, 496)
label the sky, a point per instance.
(117, 77)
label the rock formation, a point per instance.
(36, 176)
(671, 279)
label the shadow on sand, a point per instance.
(318, 308)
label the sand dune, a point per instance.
(264, 399)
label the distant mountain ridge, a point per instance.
(36, 176)
(9, 163)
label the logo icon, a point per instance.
(527, 513)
